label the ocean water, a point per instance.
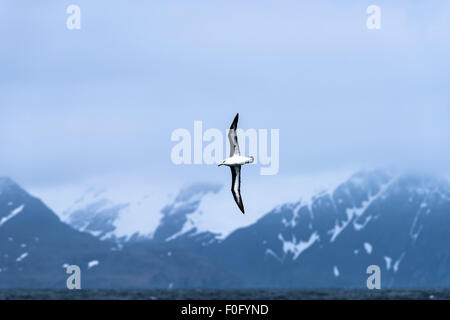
(214, 294)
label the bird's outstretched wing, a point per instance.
(232, 137)
(236, 186)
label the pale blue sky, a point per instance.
(105, 99)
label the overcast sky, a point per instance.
(75, 104)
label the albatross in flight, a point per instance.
(235, 161)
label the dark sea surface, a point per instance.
(213, 294)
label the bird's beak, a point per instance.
(220, 164)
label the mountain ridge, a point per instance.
(36, 246)
(400, 222)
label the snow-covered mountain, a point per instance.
(100, 215)
(36, 246)
(129, 210)
(398, 221)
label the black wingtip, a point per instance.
(235, 121)
(241, 206)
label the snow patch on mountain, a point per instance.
(388, 261)
(22, 256)
(11, 215)
(297, 247)
(336, 271)
(368, 247)
(270, 252)
(360, 226)
(397, 262)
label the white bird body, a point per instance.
(235, 161)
